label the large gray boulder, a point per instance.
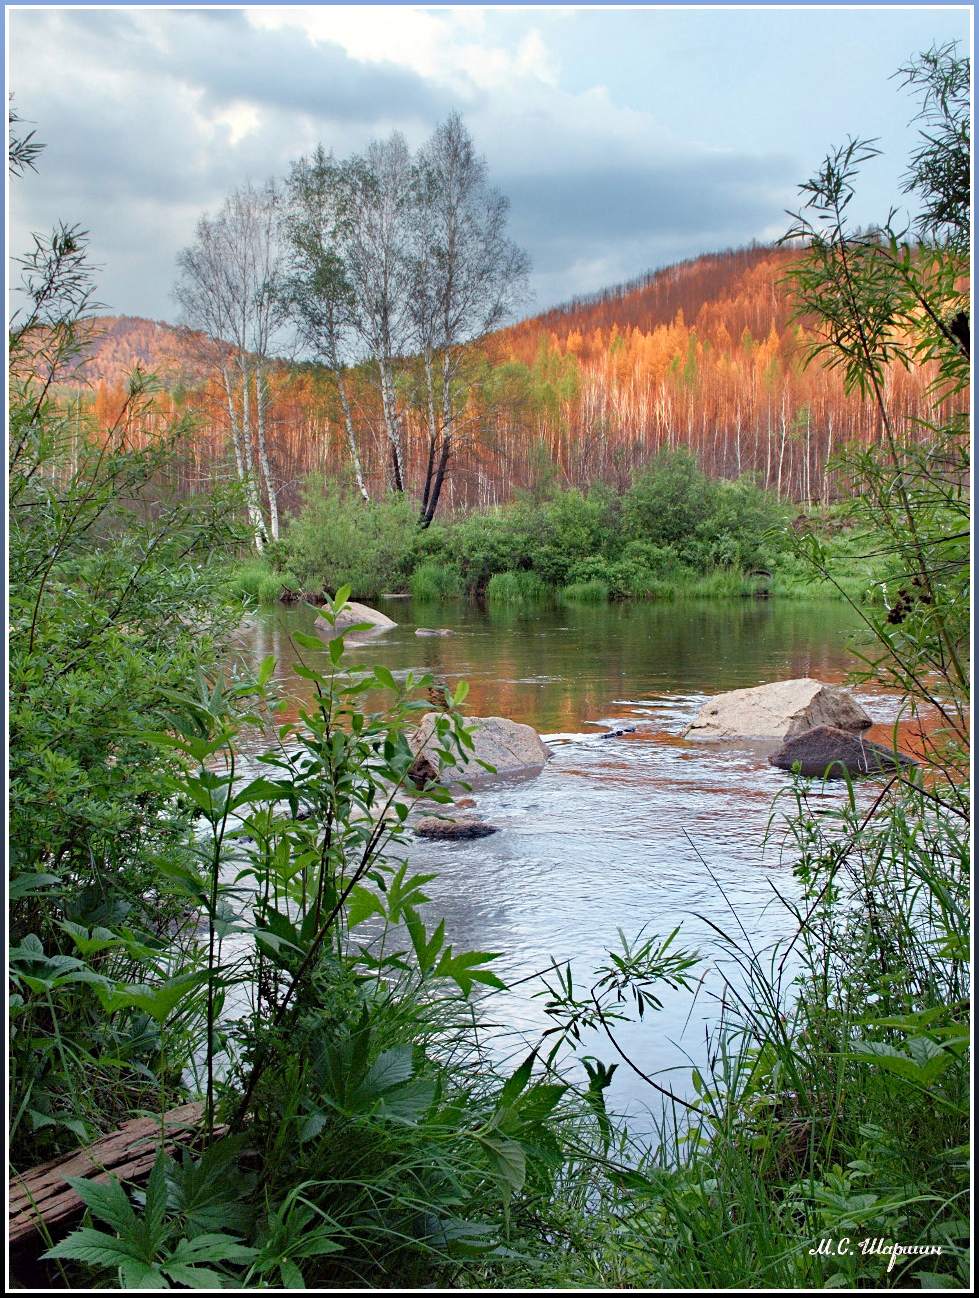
(827, 752)
(777, 711)
(507, 745)
(352, 615)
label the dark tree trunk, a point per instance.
(436, 491)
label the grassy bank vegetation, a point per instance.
(674, 533)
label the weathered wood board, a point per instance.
(42, 1202)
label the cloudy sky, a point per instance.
(625, 138)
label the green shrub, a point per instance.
(674, 507)
(340, 540)
(668, 500)
(626, 578)
(721, 583)
(256, 582)
(246, 578)
(360, 1133)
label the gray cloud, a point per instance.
(591, 225)
(134, 106)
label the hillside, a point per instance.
(119, 343)
(703, 354)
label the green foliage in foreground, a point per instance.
(837, 1105)
(114, 600)
(324, 1018)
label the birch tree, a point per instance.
(379, 194)
(320, 294)
(466, 276)
(231, 286)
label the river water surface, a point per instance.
(642, 830)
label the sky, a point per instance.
(626, 139)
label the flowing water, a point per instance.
(637, 830)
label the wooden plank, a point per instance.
(42, 1196)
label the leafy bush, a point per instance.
(340, 540)
(673, 505)
(668, 501)
(117, 600)
(259, 583)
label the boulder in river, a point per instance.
(831, 753)
(453, 830)
(353, 614)
(778, 711)
(507, 745)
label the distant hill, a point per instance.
(705, 355)
(119, 343)
(653, 299)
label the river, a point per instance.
(642, 830)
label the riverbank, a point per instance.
(672, 534)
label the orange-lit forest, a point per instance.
(704, 354)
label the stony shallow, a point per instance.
(640, 830)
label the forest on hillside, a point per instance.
(704, 355)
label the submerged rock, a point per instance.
(433, 631)
(422, 771)
(506, 745)
(777, 711)
(453, 830)
(831, 753)
(354, 615)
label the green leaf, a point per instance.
(508, 1160)
(159, 1002)
(142, 1275)
(307, 641)
(389, 1069)
(94, 1247)
(463, 970)
(291, 1276)
(26, 885)
(516, 1082)
(213, 1246)
(106, 1200)
(155, 1207)
(195, 1277)
(361, 904)
(410, 1101)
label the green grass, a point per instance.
(254, 582)
(721, 583)
(517, 588)
(435, 581)
(594, 591)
